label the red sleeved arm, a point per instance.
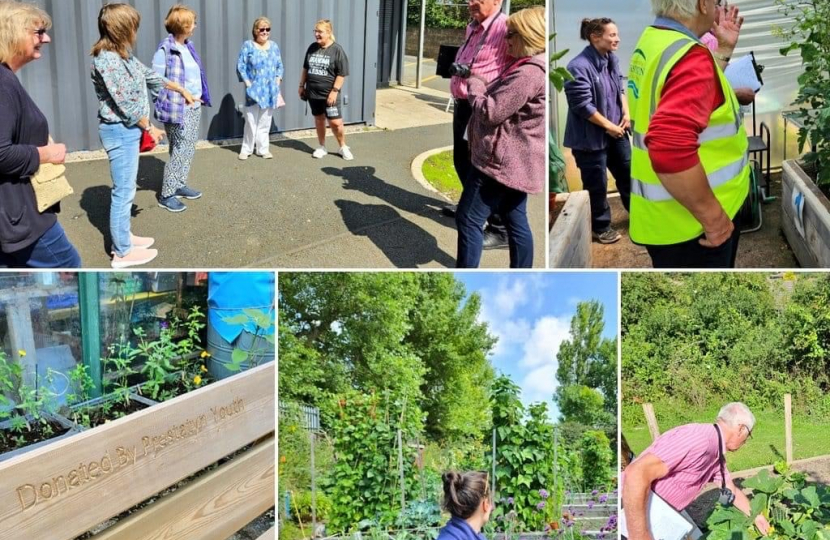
(691, 93)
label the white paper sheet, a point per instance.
(741, 74)
(666, 522)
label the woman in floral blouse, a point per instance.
(260, 68)
(121, 82)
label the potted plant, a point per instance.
(806, 182)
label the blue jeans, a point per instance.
(481, 197)
(122, 146)
(52, 250)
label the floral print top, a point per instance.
(261, 68)
(121, 87)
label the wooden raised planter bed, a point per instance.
(811, 245)
(570, 236)
(65, 488)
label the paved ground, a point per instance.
(294, 211)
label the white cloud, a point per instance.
(539, 384)
(539, 357)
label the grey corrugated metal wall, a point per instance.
(390, 44)
(60, 81)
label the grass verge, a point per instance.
(440, 173)
(766, 446)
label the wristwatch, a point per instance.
(335, 89)
(721, 57)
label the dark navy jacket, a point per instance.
(586, 96)
(458, 529)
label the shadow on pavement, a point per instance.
(294, 144)
(226, 116)
(150, 174)
(365, 180)
(95, 201)
(395, 241)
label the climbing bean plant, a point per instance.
(365, 481)
(524, 459)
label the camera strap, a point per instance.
(720, 458)
(480, 43)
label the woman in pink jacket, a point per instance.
(507, 135)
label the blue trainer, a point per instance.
(173, 204)
(187, 193)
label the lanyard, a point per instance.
(480, 43)
(720, 458)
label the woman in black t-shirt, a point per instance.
(325, 69)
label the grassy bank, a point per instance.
(810, 437)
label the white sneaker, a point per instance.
(243, 157)
(136, 256)
(346, 153)
(320, 153)
(267, 155)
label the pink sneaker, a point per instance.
(137, 256)
(141, 241)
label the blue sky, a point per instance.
(531, 313)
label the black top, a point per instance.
(324, 65)
(22, 129)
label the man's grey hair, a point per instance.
(675, 9)
(736, 413)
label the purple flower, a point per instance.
(594, 493)
(510, 500)
(541, 505)
(543, 493)
(590, 504)
(165, 325)
(603, 499)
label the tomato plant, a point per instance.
(794, 507)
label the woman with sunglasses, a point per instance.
(260, 67)
(467, 499)
(28, 238)
(324, 72)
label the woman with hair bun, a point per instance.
(467, 499)
(598, 122)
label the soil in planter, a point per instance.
(10, 440)
(556, 207)
(99, 416)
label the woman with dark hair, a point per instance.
(598, 122)
(467, 499)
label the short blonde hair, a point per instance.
(179, 19)
(17, 21)
(529, 24)
(325, 23)
(257, 22)
(118, 27)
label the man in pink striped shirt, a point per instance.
(485, 49)
(681, 461)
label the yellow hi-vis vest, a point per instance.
(656, 217)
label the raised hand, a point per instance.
(727, 27)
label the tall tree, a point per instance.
(415, 335)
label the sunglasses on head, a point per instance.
(264, 30)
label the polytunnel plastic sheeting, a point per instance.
(761, 18)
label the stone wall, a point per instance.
(433, 38)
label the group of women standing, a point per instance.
(175, 88)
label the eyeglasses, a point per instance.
(264, 30)
(749, 431)
(41, 32)
(510, 34)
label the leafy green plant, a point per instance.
(25, 407)
(365, 483)
(810, 35)
(263, 322)
(596, 459)
(558, 75)
(524, 457)
(794, 507)
(119, 362)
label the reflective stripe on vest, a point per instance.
(656, 217)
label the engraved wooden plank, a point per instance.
(570, 237)
(270, 534)
(213, 507)
(63, 489)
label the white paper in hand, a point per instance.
(741, 74)
(666, 522)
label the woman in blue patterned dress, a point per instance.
(260, 68)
